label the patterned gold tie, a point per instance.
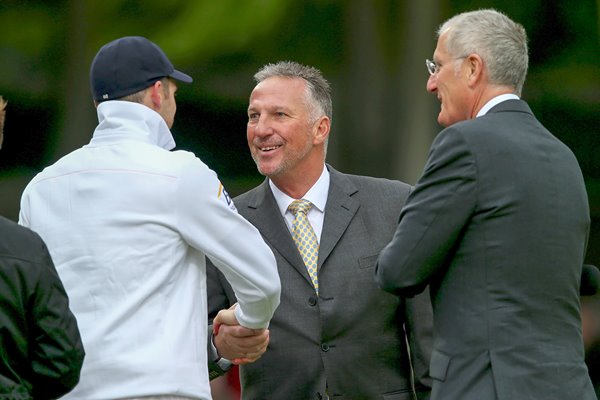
(305, 238)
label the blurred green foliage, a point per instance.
(47, 47)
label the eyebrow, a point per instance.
(272, 108)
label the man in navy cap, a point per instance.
(129, 224)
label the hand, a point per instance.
(226, 317)
(241, 345)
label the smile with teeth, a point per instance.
(269, 148)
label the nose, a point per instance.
(432, 83)
(261, 127)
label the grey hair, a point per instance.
(318, 91)
(499, 41)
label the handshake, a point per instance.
(236, 343)
(241, 345)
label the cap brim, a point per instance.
(180, 76)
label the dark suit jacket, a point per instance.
(353, 335)
(497, 226)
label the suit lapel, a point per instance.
(263, 213)
(339, 211)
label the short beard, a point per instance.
(288, 162)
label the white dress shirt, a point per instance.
(494, 101)
(317, 195)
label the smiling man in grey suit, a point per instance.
(335, 335)
(497, 226)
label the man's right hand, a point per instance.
(236, 343)
(239, 344)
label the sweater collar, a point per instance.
(119, 120)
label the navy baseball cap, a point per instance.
(128, 65)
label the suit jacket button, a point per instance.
(312, 300)
(324, 347)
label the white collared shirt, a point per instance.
(496, 100)
(317, 195)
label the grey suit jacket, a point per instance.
(353, 335)
(498, 226)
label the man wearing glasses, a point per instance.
(497, 226)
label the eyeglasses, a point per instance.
(433, 67)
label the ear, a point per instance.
(156, 93)
(321, 127)
(475, 69)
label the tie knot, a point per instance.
(300, 206)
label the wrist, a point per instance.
(218, 365)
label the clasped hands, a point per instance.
(236, 343)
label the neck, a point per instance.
(297, 183)
(486, 94)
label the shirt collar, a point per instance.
(317, 194)
(494, 101)
(120, 120)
